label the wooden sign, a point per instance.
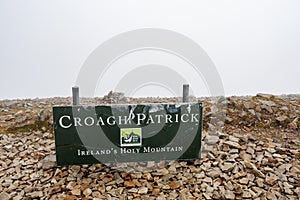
(127, 133)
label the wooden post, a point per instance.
(75, 95)
(185, 96)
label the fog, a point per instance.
(254, 44)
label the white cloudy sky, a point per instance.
(254, 44)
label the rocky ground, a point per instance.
(252, 152)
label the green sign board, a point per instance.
(127, 133)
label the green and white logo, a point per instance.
(131, 137)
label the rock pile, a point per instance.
(255, 156)
(259, 112)
(240, 166)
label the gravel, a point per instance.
(254, 156)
